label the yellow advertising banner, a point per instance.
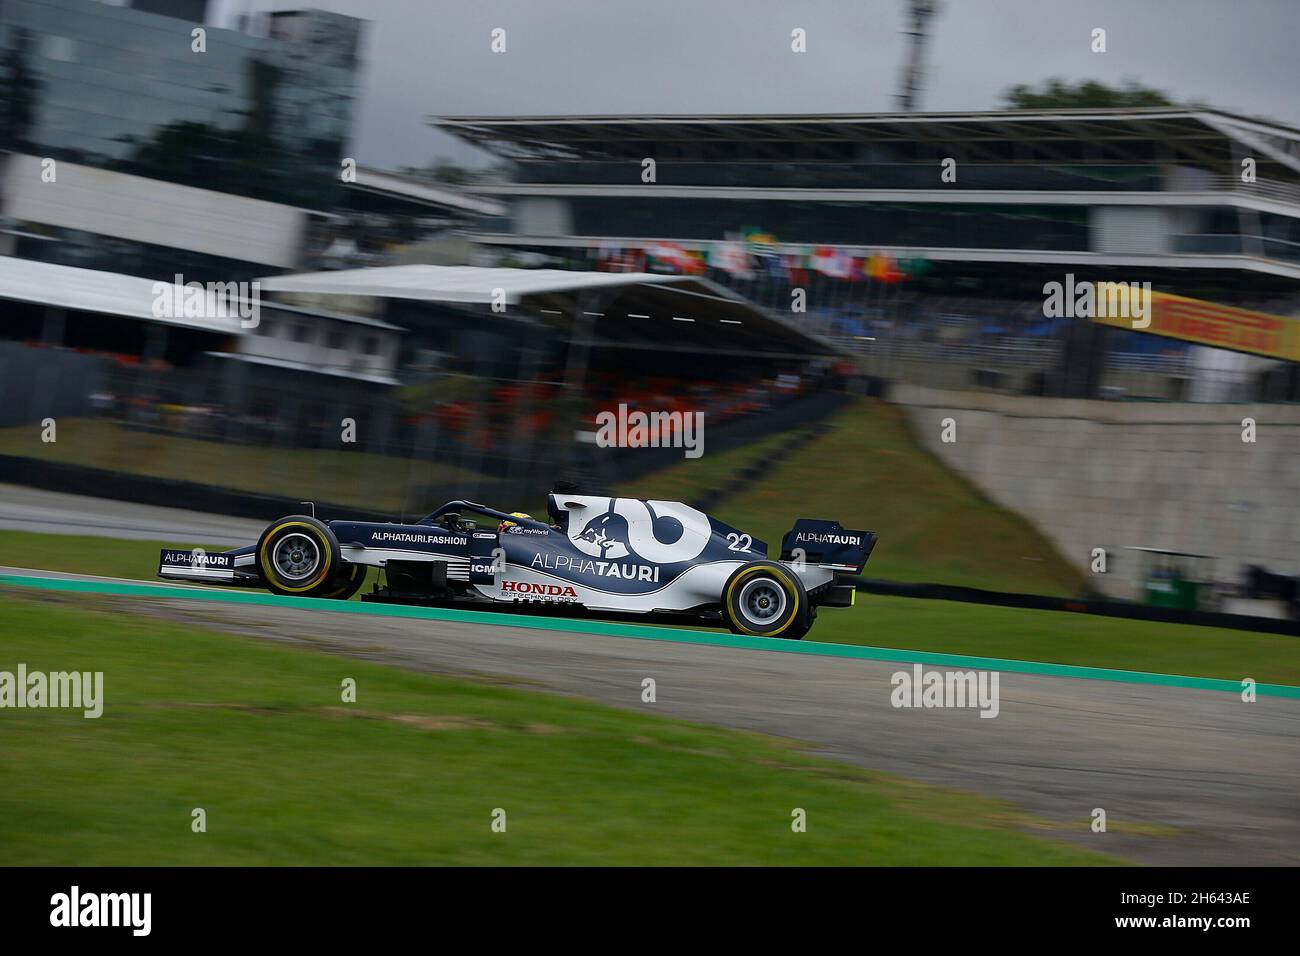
(1222, 326)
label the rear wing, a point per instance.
(828, 545)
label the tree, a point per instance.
(446, 171)
(21, 90)
(441, 170)
(1056, 93)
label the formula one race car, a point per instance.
(599, 556)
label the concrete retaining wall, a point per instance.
(1095, 474)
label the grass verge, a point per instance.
(948, 627)
(1056, 637)
(83, 554)
(372, 481)
(411, 773)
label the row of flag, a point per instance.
(756, 257)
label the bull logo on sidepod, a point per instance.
(604, 536)
(658, 532)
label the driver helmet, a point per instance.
(514, 514)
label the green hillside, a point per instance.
(869, 473)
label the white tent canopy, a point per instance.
(635, 309)
(109, 293)
(422, 190)
(464, 284)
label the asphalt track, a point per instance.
(49, 512)
(1186, 772)
(1222, 775)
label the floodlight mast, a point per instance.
(919, 14)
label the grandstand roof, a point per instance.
(464, 284)
(91, 290)
(1171, 134)
(628, 310)
(424, 192)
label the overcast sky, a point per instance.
(432, 57)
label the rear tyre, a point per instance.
(347, 582)
(299, 555)
(766, 599)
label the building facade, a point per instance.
(914, 236)
(264, 112)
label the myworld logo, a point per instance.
(212, 300)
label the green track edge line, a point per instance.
(648, 632)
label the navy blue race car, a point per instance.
(597, 555)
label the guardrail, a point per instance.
(1043, 602)
(1160, 364)
(1261, 188)
(1234, 244)
(1037, 356)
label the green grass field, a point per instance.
(374, 482)
(694, 476)
(108, 557)
(877, 621)
(287, 773)
(868, 472)
(1057, 637)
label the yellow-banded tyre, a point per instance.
(299, 555)
(347, 582)
(766, 599)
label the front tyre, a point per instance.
(299, 555)
(347, 582)
(766, 599)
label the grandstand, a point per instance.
(895, 256)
